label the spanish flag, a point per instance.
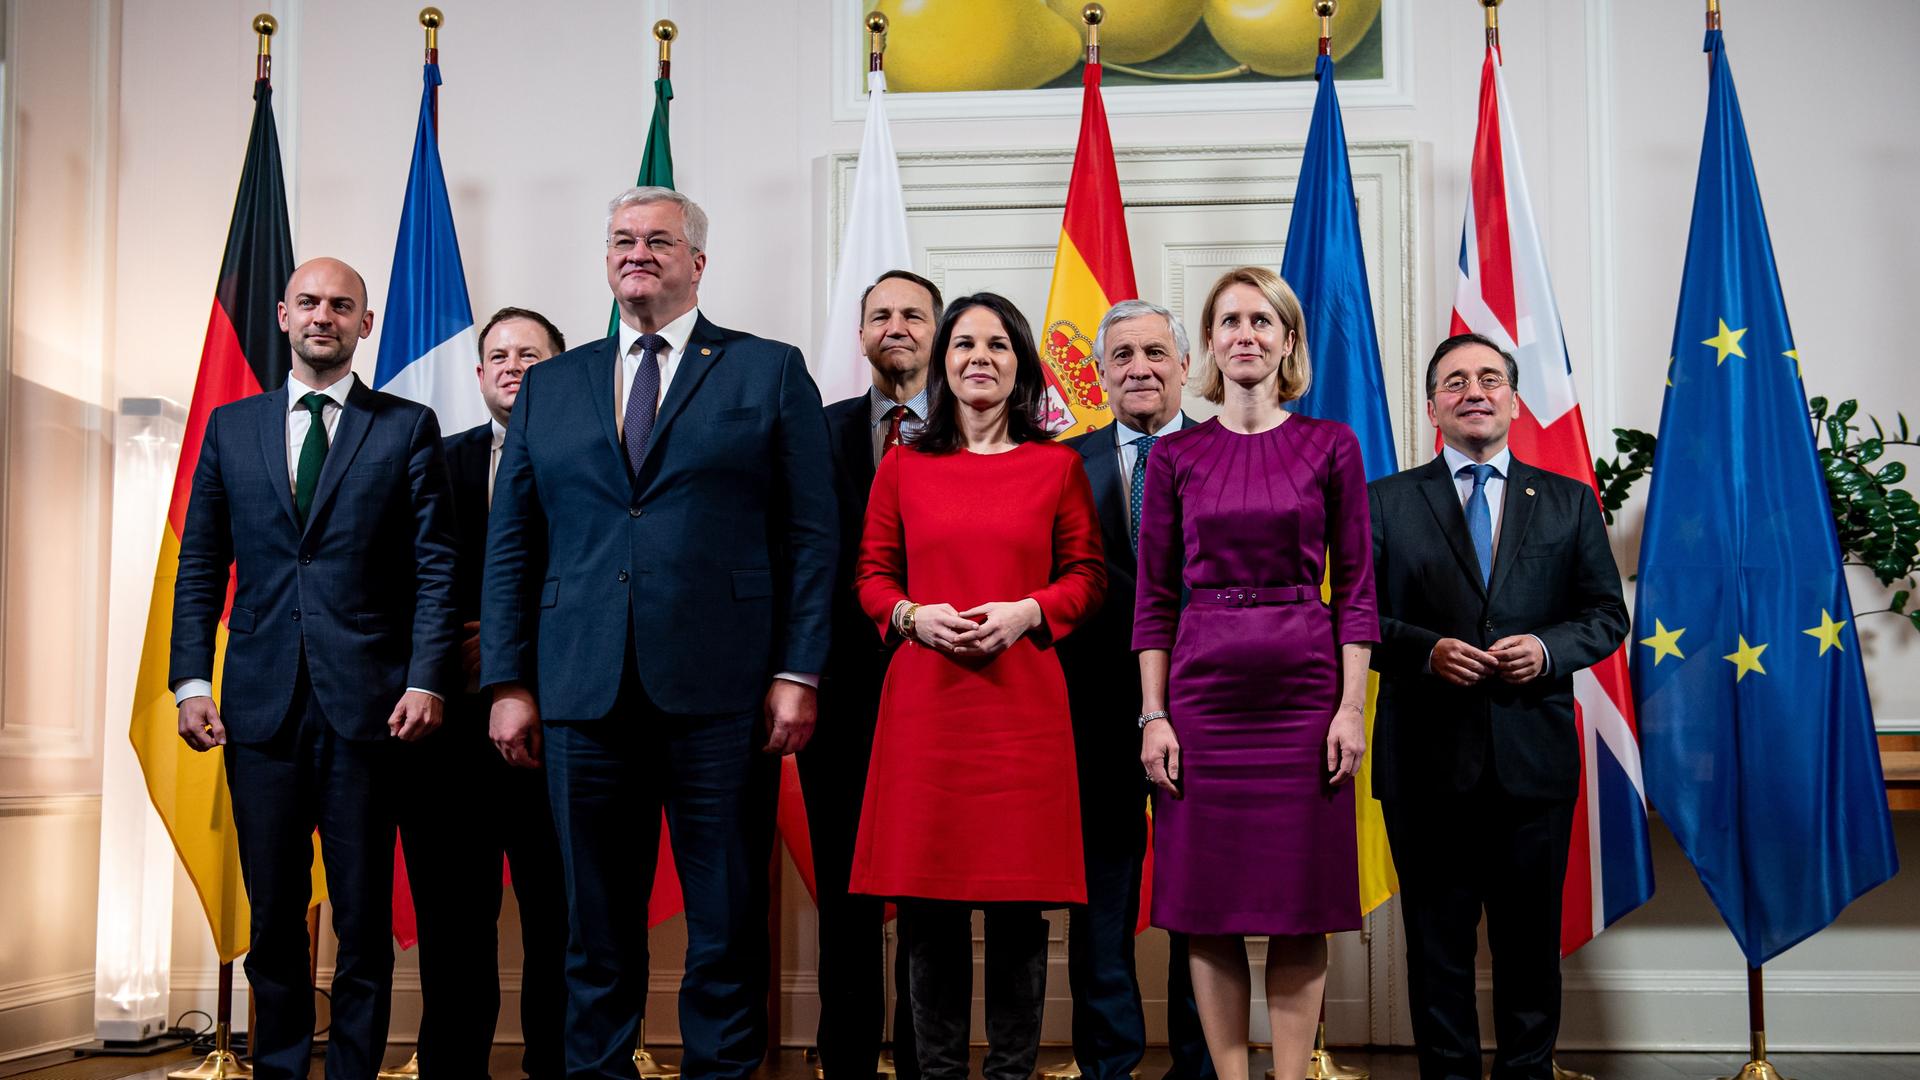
(244, 353)
(1092, 271)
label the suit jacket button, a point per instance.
(296, 614)
(306, 560)
(623, 575)
(1487, 626)
(634, 511)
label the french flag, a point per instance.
(427, 345)
(1504, 293)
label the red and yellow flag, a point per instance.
(1092, 271)
(244, 353)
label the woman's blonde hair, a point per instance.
(1296, 374)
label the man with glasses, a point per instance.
(1495, 585)
(654, 618)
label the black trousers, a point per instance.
(608, 780)
(939, 937)
(833, 780)
(464, 808)
(1456, 856)
(308, 777)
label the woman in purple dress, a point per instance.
(1252, 693)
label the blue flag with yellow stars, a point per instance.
(1755, 728)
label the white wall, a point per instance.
(543, 115)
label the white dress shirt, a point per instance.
(1124, 438)
(879, 406)
(1502, 463)
(676, 332)
(493, 457)
(299, 422)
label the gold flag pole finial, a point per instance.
(431, 18)
(1493, 22)
(1093, 15)
(664, 32)
(876, 39)
(1713, 14)
(264, 25)
(1324, 9)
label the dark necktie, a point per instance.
(1137, 485)
(643, 400)
(313, 454)
(894, 416)
(1480, 519)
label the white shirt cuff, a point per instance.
(191, 688)
(795, 676)
(424, 690)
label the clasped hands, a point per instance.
(985, 630)
(1516, 659)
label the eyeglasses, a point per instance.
(658, 244)
(1488, 382)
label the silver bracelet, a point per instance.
(1148, 718)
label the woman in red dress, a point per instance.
(981, 550)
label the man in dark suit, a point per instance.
(898, 316)
(1142, 352)
(327, 503)
(654, 620)
(1496, 585)
(466, 807)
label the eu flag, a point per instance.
(1328, 272)
(1755, 726)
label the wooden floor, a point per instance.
(794, 1065)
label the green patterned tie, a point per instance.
(313, 454)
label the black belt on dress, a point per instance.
(1257, 595)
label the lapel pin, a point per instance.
(1529, 491)
(709, 352)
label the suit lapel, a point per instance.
(1516, 510)
(702, 353)
(856, 447)
(355, 419)
(1444, 500)
(601, 365)
(1100, 454)
(273, 446)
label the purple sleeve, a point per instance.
(1156, 604)
(1356, 616)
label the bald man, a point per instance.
(327, 504)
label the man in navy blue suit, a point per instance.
(465, 807)
(1142, 352)
(327, 503)
(654, 620)
(898, 316)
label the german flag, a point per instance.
(1092, 271)
(244, 353)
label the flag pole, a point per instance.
(665, 31)
(1093, 15)
(1493, 22)
(1758, 1067)
(431, 18)
(221, 1063)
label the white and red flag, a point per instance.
(1504, 293)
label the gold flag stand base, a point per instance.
(1569, 1074)
(885, 1068)
(409, 1071)
(1070, 1070)
(219, 1065)
(1759, 1068)
(1320, 1063)
(646, 1066)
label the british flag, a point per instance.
(1504, 293)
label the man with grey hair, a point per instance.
(1142, 352)
(654, 618)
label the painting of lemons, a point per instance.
(946, 45)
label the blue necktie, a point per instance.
(643, 400)
(1480, 519)
(1137, 485)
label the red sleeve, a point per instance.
(880, 576)
(1079, 582)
